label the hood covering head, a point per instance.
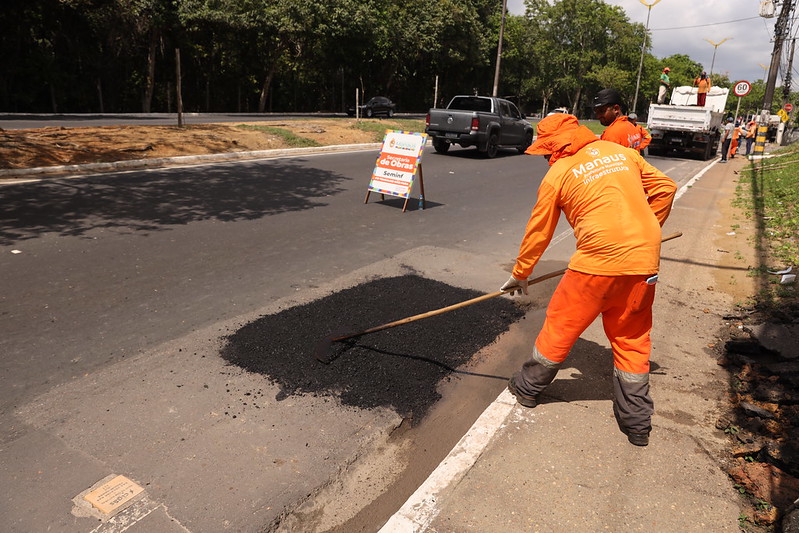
(559, 136)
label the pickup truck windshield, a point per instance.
(470, 103)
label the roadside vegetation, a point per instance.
(289, 137)
(81, 56)
(768, 191)
(378, 128)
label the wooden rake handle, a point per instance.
(466, 303)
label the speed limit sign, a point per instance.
(741, 88)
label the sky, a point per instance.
(681, 27)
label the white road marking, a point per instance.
(422, 507)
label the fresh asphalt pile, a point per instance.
(397, 368)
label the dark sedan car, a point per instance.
(378, 105)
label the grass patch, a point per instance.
(290, 138)
(378, 127)
(768, 191)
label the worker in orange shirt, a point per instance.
(646, 137)
(751, 133)
(702, 84)
(616, 202)
(609, 112)
(737, 131)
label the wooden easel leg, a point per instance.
(405, 205)
(365, 200)
(421, 187)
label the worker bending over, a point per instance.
(616, 203)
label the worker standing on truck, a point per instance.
(616, 203)
(609, 112)
(664, 86)
(646, 137)
(702, 84)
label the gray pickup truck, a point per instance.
(483, 121)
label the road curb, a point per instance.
(186, 159)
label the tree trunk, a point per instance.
(265, 88)
(100, 95)
(53, 101)
(577, 97)
(178, 88)
(149, 86)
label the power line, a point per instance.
(708, 24)
(705, 25)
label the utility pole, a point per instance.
(780, 31)
(499, 47)
(786, 84)
(643, 49)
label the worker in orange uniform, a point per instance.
(616, 202)
(608, 109)
(702, 84)
(751, 133)
(646, 137)
(737, 131)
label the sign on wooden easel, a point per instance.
(399, 162)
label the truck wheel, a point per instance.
(442, 147)
(369, 113)
(708, 151)
(492, 146)
(528, 140)
(390, 113)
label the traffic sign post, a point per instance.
(740, 89)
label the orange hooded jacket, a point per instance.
(614, 200)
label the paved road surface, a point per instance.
(117, 292)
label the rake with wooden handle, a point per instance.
(322, 350)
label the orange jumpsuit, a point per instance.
(616, 203)
(622, 131)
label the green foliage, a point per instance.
(311, 55)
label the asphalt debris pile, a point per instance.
(397, 368)
(763, 427)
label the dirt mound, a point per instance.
(52, 146)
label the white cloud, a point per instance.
(749, 35)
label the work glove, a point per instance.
(514, 285)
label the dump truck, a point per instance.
(683, 127)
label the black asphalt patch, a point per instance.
(397, 368)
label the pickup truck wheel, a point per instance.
(442, 147)
(369, 113)
(528, 140)
(492, 146)
(390, 113)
